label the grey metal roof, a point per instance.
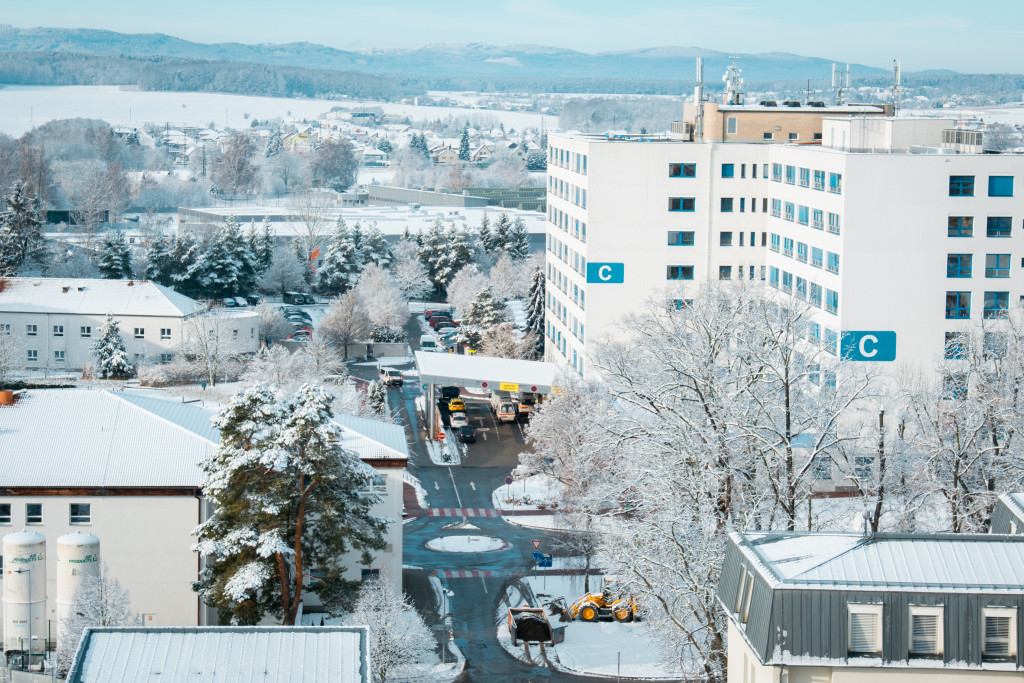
(1014, 501)
(921, 562)
(373, 439)
(193, 417)
(450, 368)
(227, 654)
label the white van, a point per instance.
(428, 343)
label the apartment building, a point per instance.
(893, 608)
(901, 231)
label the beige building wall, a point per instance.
(753, 123)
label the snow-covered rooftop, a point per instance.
(93, 296)
(373, 439)
(917, 562)
(223, 654)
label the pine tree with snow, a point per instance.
(109, 352)
(21, 237)
(375, 248)
(433, 246)
(99, 601)
(518, 246)
(186, 264)
(274, 146)
(485, 312)
(485, 235)
(535, 304)
(116, 259)
(228, 266)
(464, 144)
(287, 499)
(265, 248)
(160, 265)
(502, 233)
(457, 254)
(340, 266)
(376, 398)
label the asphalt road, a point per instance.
(476, 597)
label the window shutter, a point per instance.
(864, 632)
(924, 634)
(997, 635)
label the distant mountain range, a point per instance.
(472, 60)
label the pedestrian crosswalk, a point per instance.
(463, 512)
(471, 573)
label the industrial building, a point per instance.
(123, 467)
(808, 607)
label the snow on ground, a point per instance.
(421, 493)
(443, 452)
(534, 492)
(597, 648)
(517, 312)
(22, 107)
(467, 544)
(375, 175)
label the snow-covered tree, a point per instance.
(341, 264)
(411, 277)
(274, 146)
(465, 287)
(345, 321)
(375, 249)
(433, 246)
(535, 304)
(518, 245)
(464, 144)
(485, 235)
(505, 341)
(209, 340)
(12, 357)
(381, 298)
(109, 352)
(376, 398)
(116, 258)
(284, 274)
(457, 254)
(502, 234)
(402, 648)
(228, 266)
(99, 601)
(21, 235)
(160, 265)
(510, 279)
(273, 325)
(263, 248)
(287, 502)
(186, 258)
(485, 311)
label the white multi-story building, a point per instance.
(56, 320)
(892, 225)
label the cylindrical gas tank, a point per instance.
(78, 557)
(24, 592)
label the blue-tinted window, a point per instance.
(776, 241)
(958, 305)
(956, 346)
(831, 301)
(787, 281)
(819, 180)
(674, 170)
(833, 262)
(999, 226)
(680, 272)
(835, 182)
(805, 177)
(727, 204)
(773, 276)
(724, 272)
(997, 265)
(777, 172)
(801, 252)
(961, 186)
(817, 257)
(725, 238)
(728, 170)
(791, 174)
(1000, 186)
(816, 294)
(680, 238)
(680, 203)
(802, 213)
(961, 226)
(958, 265)
(996, 304)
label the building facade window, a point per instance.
(1000, 633)
(801, 252)
(999, 226)
(958, 265)
(835, 183)
(833, 223)
(31, 330)
(787, 281)
(776, 241)
(675, 238)
(59, 356)
(958, 305)
(773, 276)
(790, 175)
(776, 207)
(831, 301)
(996, 304)
(33, 355)
(33, 513)
(805, 175)
(787, 247)
(777, 172)
(680, 204)
(961, 186)
(955, 346)
(680, 272)
(80, 513)
(724, 272)
(925, 631)
(815, 295)
(1000, 186)
(5, 513)
(730, 125)
(85, 331)
(767, 135)
(997, 265)
(817, 257)
(819, 180)
(725, 238)
(865, 629)
(165, 333)
(788, 211)
(728, 170)
(682, 170)
(801, 288)
(726, 204)
(58, 330)
(961, 226)
(833, 262)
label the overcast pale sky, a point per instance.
(985, 36)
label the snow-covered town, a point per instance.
(325, 359)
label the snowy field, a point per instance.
(597, 648)
(22, 107)
(527, 493)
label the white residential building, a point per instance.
(57, 320)
(124, 466)
(892, 225)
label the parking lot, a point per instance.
(498, 444)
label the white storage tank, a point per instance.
(24, 594)
(78, 557)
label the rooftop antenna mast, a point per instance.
(897, 88)
(698, 100)
(733, 84)
(840, 83)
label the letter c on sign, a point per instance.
(605, 273)
(864, 345)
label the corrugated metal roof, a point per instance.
(269, 654)
(89, 296)
(947, 562)
(189, 416)
(1014, 501)
(373, 439)
(92, 438)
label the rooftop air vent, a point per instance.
(815, 104)
(791, 103)
(768, 103)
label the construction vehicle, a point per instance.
(594, 606)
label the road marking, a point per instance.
(472, 486)
(458, 498)
(463, 512)
(470, 574)
(484, 584)
(437, 487)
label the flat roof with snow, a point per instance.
(486, 371)
(223, 654)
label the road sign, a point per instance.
(508, 386)
(868, 346)
(536, 545)
(611, 273)
(537, 555)
(508, 481)
(545, 560)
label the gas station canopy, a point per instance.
(491, 373)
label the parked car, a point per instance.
(467, 434)
(459, 420)
(228, 302)
(241, 302)
(457, 404)
(253, 300)
(448, 393)
(444, 323)
(444, 327)
(427, 315)
(298, 298)
(390, 376)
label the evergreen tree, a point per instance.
(274, 146)
(109, 352)
(502, 233)
(376, 394)
(186, 264)
(458, 253)
(433, 246)
(227, 266)
(160, 266)
(464, 144)
(385, 146)
(287, 499)
(265, 249)
(116, 260)
(518, 246)
(485, 234)
(340, 266)
(21, 236)
(535, 304)
(375, 248)
(485, 312)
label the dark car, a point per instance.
(427, 315)
(467, 434)
(448, 393)
(254, 300)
